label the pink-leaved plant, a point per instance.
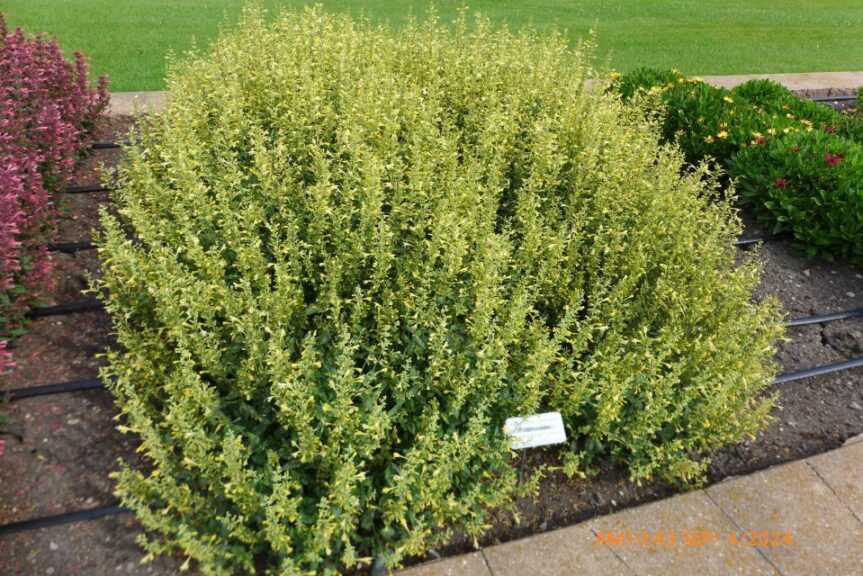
(48, 112)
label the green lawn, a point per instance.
(129, 40)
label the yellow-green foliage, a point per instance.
(362, 250)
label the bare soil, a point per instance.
(57, 452)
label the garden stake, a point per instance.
(521, 465)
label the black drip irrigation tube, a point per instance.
(823, 318)
(59, 519)
(88, 188)
(90, 305)
(47, 389)
(818, 371)
(70, 247)
(70, 308)
(105, 145)
(834, 98)
(99, 384)
(110, 144)
(747, 242)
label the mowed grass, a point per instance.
(129, 40)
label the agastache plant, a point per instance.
(48, 112)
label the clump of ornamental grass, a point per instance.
(361, 250)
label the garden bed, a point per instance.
(59, 449)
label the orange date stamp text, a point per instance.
(694, 538)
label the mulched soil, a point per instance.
(59, 450)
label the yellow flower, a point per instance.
(708, 139)
(790, 116)
(722, 134)
(806, 122)
(728, 99)
(758, 134)
(670, 85)
(614, 75)
(786, 107)
(771, 131)
(787, 130)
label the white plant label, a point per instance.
(535, 430)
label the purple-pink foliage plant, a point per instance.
(48, 113)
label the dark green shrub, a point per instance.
(710, 122)
(362, 250)
(808, 184)
(748, 132)
(765, 93)
(777, 101)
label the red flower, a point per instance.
(760, 140)
(796, 148)
(829, 129)
(781, 183)
(833, 160)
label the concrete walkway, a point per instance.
(808, 81)
(122, 103)
(799, 519)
